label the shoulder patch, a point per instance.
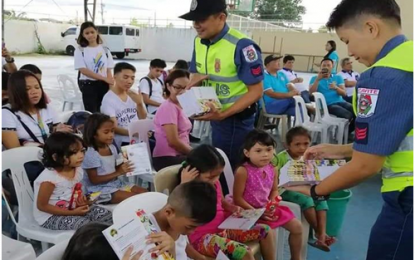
(250, 53)
(366, 102)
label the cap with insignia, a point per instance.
(202, 9)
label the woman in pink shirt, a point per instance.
(205, 163)
(172, 127)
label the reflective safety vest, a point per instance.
(397, 171)
(218, 62)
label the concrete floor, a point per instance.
(363, 207)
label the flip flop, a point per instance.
(319, 245)
(330, 240)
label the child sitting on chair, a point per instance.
(58, 206)
(298, 139)
(103, 163)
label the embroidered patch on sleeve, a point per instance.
(362, 133)
(366, 102)
(250, 53)
(256, 70)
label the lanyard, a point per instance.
(41, 126)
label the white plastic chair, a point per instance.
(302, 119)
(16, 250)
(14, 160)
(280, 232)
(55, 252)
(150, 202)
(70, 92)
(263, 116)
(166, 179)
(201, 129)
(323, 116)
(227, 171)
(141, 128)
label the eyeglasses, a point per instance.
(178, 88)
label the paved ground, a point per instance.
(362, 210)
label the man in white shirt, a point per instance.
(151, 86)
(350, 78)
(7, 61)
(122, 104)
(288, 66)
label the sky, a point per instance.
(165, 11)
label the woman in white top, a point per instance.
(94, 62)
(27, 120)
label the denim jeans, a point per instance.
(392, 235)
(343, 110)
(281, 107)
(229, 136)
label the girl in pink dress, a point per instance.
(256, 185)
(204, 163)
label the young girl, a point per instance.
(63, 154)
(256, 183)
(94, 63)
(206, 164)
(103, 163)
(298, 139)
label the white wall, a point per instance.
(169, 44)
(20, 35)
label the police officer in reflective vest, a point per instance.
(383, 104)
(230, 62)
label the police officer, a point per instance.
(383, 103)
(230, 62)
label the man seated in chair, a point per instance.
(278, 90)
(122, 104)
(333, 89)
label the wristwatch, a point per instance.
(10, 61)
(316, 197)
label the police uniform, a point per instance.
(383, 103)
(232, 61)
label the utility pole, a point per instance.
(2, 19)
(88, 12)
(102, 12)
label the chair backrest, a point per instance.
(55, 252)
(227, 171)
(68, 87)
(321, 106)
(14, 160)
(141, 127)
(14, 249)
(301, 116)
(263, 104)
(166, 179)
(149, 202)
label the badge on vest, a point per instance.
(366, 102)
(250, 53)
(217, 65)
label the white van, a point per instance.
(120, 39)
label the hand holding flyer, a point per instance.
(138, 155)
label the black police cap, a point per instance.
(202, 9)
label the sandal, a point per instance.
(330, 240)
(319, 245)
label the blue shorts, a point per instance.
(392, 235)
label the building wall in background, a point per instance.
(20, 35)
(308, 48)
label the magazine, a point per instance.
(138, 155)
(194, 101)
(299, 172)
(243, 220)
(133, 233)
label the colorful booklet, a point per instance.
(138, 155)
(243, 220)
(133, 233)
(194, 101)
(299, 172)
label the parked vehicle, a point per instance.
(120, 39)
